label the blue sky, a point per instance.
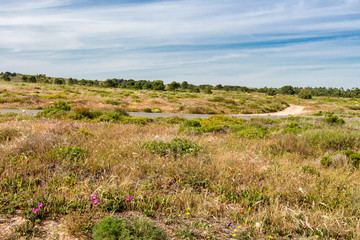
(253, 43)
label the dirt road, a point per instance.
(292, 110)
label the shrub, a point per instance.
(62, 105)
(305, 94)
(112, 102)
(333, 139)
(111, 228)
(148, 110)
(176, 147)
(334, 120)
(69, 153)
(341, 158)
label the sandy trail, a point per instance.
(291, 110)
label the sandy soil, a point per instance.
(292, 110)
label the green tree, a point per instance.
(287, 90)
(158, 85)
(305, 94)
(173, 86)
(184, 85)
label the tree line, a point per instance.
(305, 93)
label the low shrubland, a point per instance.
(220, 177)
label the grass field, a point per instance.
(62, 172)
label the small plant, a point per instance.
(341, 158)
(111, 228)
(62, 105)
(112, 102)
(333, 119)
(186, 233)
(176, 147)
(148, 110)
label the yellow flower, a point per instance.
(239, 226)
(270, 237)
(235, 230)
(234, 235)
(187, 209)
(187, 213)
(220, 220)
(179, 215)
(316, 236)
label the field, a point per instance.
(63, 172)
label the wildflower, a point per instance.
(40, 205)
(235, 230)
(36, 210)
(187, 213)
(270, 237)
(316, 236)
(179, 215)
(95, 202)
(259, 183)
(234, 235)
(239, 227)
(93, 197)
(131, 197)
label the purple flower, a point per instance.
(93, 197)
(127, 199)
(259, 183)
(40, 205)
(36, 210)
(95, 202)
(131, 197)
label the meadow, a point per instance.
(83, 169)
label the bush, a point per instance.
(305, 94)
(148, 110)
(334, 120)
(62, 105)
(69, 154)
(111, 228)
(340, 158)
(176, 147)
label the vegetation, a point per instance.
(98, 173)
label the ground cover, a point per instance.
(63, 172)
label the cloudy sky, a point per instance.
(251, 43)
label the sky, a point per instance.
(254, 43)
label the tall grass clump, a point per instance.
(112, 228)
(176, 147)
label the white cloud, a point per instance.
(144, 38)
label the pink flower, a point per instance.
(259, 183)
(93, 197)
(36, 210)
(127, 199)
(40, 205)
(131, 197)
(95, 202)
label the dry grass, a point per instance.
(263, 175)
(271, 186)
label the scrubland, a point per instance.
(173, 178)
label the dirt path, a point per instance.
(292, 110)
